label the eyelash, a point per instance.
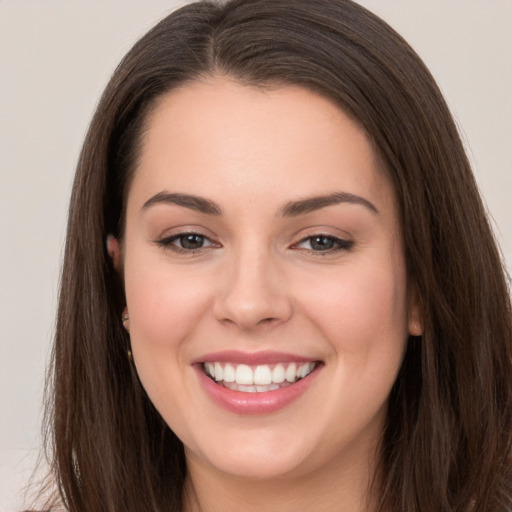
(339, 243)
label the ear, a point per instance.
(414, 315)
(114, 251)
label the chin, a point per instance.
(264, 467)
(259, 459)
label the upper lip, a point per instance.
(252, 358)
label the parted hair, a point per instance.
(447, 443)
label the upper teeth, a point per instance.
(260, 375)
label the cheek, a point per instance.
(363, 315)
(165, 307)
(369, 302)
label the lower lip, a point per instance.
(266, 402)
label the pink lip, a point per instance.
(251, 359)
(255, 403)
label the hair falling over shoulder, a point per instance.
(447, 444)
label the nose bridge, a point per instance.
(252, 292)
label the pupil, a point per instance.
(191, 241)
(322, 243)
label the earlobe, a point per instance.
(415, 317)
(114, 251)
(125, 319)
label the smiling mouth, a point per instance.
(257, 379)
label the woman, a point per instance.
(280, 289)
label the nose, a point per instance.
(252, 293)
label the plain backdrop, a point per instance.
(55, 58)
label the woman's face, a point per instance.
(265, 279)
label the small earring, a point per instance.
(125, 319)
(129, 354)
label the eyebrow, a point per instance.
(291, 209)
(310, 204)
(199, 204)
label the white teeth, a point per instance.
(229, 373)
(218, 372)
(278, 374)
(304, 369)
(291, 373)
(242, 377)
(251, 389)
(262, 375)
(270, 387)
(210, 369)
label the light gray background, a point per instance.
(55, 58)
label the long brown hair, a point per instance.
(447, 444)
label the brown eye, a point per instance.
(324, 243)
(186, 242)
(190, 241)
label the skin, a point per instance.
(258, 284)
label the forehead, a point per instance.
(217, 137)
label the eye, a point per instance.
(324, 243)
(186, 242)
(190, 241)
